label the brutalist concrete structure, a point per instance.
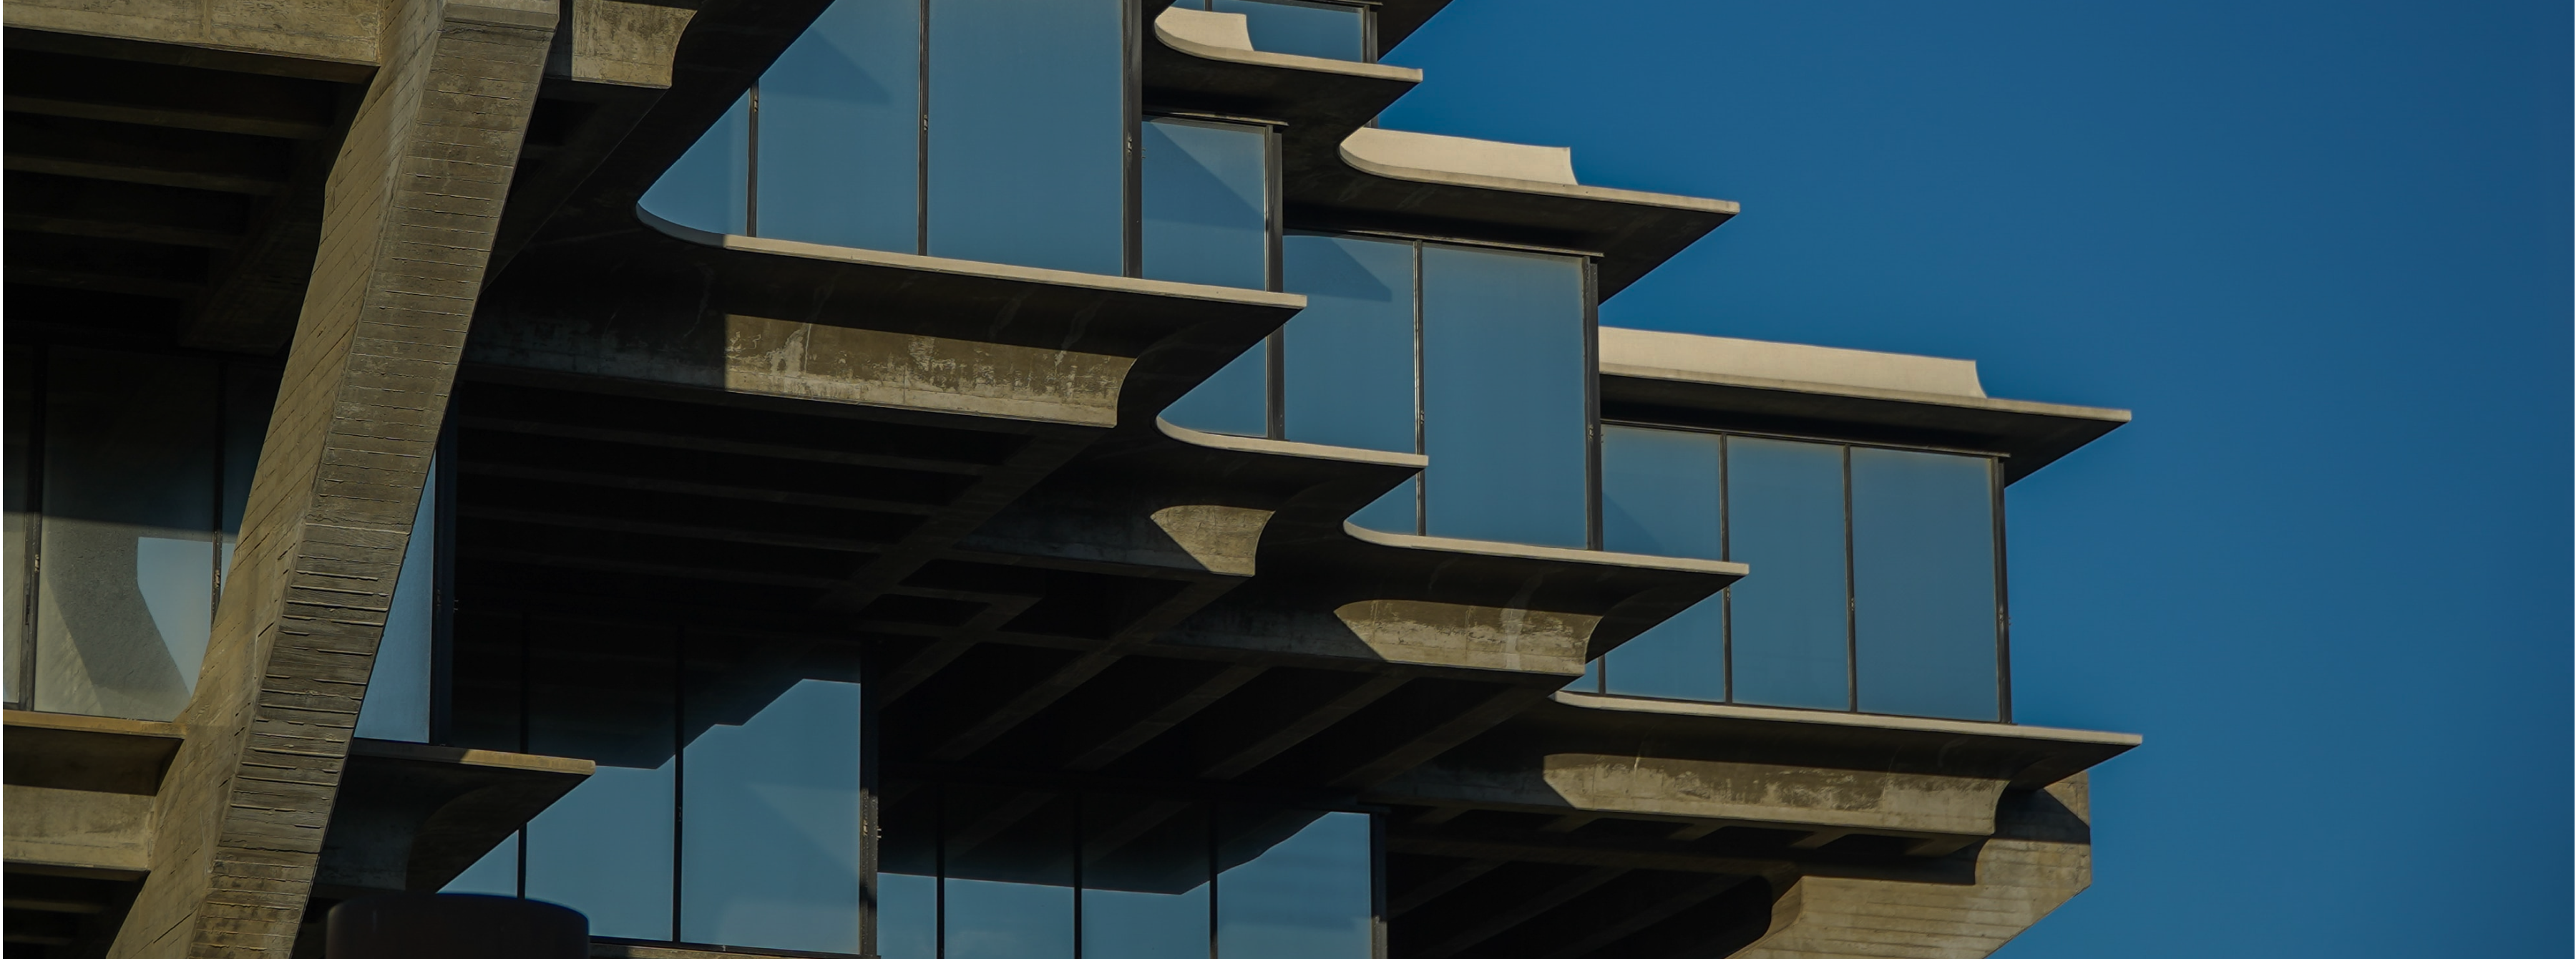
(954, 479)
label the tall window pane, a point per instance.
(1206, 203)
(125, 600)
(840, 130)
(1009, 887)
(770, 848)
(1236, 400)
(1790, 617)
(908, 871)
(17, 505)
(1028, 132)
(1924, 583)
(1503, 396)
(1331, 31)
(1349, 355)
(397, 703)
(1659, 497)
(1294, 895)
(708, 187)
(1145, 878)
(605, 694)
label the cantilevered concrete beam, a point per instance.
(409, 213)
(2041, 856)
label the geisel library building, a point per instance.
(951, 479)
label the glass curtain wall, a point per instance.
(1209, 189)
(1479, 358)
(126, 478)
(1875, 573)
(990, 130)
(1333, 31)
(725, 809)
(979, 871)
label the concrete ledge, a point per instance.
(92, 832)
(412, 816)
(90, 753)
(2031, 435)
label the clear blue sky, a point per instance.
(2321, 248)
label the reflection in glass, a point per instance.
(907, 916)
(1307, 897)
(604, 694)
(1145, 879)
(1331, 31)
(1349, 354)
(1009, 887)
(496, 874)
(1235, 400)
(1791, 617)
(770, 844)
(1028, 132)
(1503, 384)
(1924, 583)
(840, 130)
(17, 514)
(708, 188)
(397, 703)
(125, 602)
(1659, 497)
(1395, 512)
(1205, 204)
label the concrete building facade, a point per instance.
(952, 479)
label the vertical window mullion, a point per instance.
(2003, 604)
(680, 761)
(921, 151)
(1725, 597)
(1132, 189)
(1421, 482)
(1851, 596)
(751, 165)
(1591, 405)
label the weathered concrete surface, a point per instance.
(77, 829)
(409, 212)
(347, 32)
(2041, 856)
(1652, 353)
(1776, 795)
(619, 42)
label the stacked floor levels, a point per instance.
(955, 479)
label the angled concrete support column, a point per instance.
(409, 213)
(2040, 857)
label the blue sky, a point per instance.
(2321, 248)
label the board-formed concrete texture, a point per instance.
(453, 358)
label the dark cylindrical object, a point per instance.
(420, 925)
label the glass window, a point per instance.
(708, 188)
(1206, 203)
(1028, 132)
(770, 848)
(125, 603)
(1349, 355)
(1008, 892)
(1236, 400)
(1504, 382)
(397, 703)
(1659, 497)
(840, 130)
(1304, 896)
(1396, 512)
(1327, 30)
(1923, 583)
(1146, 884)
(1790, 618)
(17, 511)
(605, 695)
